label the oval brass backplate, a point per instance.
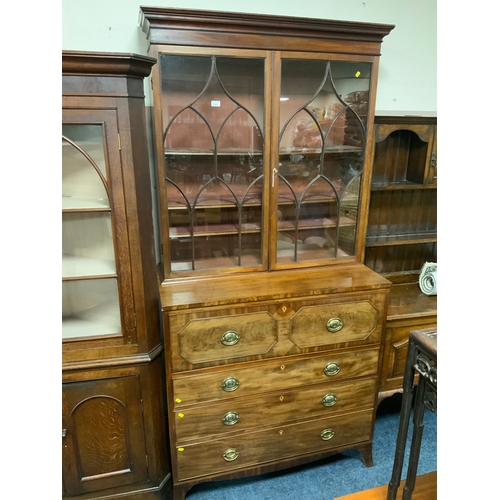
(334, 325)
(327, 434)
(230, 418)
(230, 384)
(231, 454)
(331, 369)
(329, 400)
(230, 338)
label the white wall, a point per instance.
(407, 76)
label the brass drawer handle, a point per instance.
(331, 369)
(230, 418)
(327, 434)
(231, 454)
(230, 384)
(230, 338)
(334, 325)
(329, 400)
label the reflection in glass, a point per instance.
(323, 111)
(90, 300)
(213, 111)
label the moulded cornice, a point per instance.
(106, 63)
(154, 19)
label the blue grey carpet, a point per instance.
(334, 477)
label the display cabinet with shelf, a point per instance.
(402, 230)
(113, 411)
(258, 171)
(263, 129)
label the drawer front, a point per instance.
(208, 339)
(241, 414)
(220, 336)
(274, 374)
(277, 443)
(336, 323)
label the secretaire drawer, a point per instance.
(260, 447)
(230, 335)
(335, 323)
(273, 408)
(276, 374)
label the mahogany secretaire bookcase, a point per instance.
(273, 326)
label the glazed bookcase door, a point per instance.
(95, 278)
(322, 134)
(213, 157)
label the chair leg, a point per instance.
(416, 441)
(404, 419)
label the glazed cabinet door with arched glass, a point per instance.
(322, 138)
(96, 281)
(261, 158)
(212, 159)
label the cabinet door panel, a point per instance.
(97, 285)
(322, 135)
(103, 435)
(212, 166)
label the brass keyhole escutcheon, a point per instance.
(281, 432)
(282, 398)
(327, 434)
(329, 400)
(230, 384)
(283, 309)
(331, 369)
(231, 454)
(282, 367)
(230, 338)
(334, 325)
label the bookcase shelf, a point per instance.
(402, 231)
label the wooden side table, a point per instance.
(421, 359)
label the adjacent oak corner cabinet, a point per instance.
(273, 325)
(113, 411)
(402, 230)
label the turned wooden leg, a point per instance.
(366, 455)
